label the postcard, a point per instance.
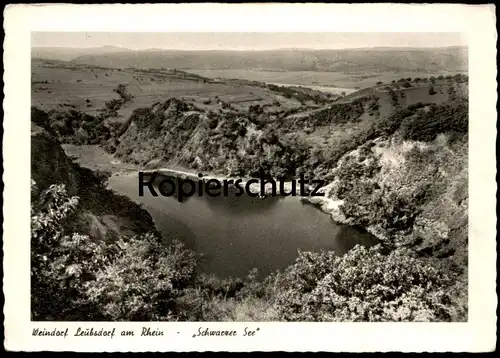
(250, 177)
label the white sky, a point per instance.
(244, 41)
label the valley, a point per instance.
(391, 144)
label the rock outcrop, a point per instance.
(101, 212)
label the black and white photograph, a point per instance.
(375, 123)
(215, 184)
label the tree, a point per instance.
(123, 93)
(452, 93)
(143, 280)
(76, 278)
(56, 269)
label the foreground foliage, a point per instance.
(366, 285)
(139, 279)
(76, 278)
(401, 174)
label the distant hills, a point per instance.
(70, 53)
(446, 59)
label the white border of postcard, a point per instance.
(477, 23)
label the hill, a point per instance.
(394, 157)
(373, 60)
(70, 53)
(280, 142)
(60, 85)
(104, 215)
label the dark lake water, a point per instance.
(237, 234)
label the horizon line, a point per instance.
(257, 50)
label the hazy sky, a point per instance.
(244, 41)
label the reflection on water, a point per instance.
(237, 234)
(172, 228)
(242, 205)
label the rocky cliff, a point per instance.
(102, 213)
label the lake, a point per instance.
(240, 233)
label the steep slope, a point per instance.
(412, 136)
(103, 214)
(408, 184)
(395, 157)
(277, 141)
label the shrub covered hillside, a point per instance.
(281, 143)
(135, 278)
(408, 184)
(76, 277)
(103, 214)
(95, 255)
(243, 142)
(395, 161)
(240, 143)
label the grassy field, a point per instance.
(60, 85)
(350, 80)
(399, 172)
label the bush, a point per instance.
(445, 118)
(143, 280)
(71, 126)
(112, 107)
(339, 113)
(394, 98)
(212, 120)
(452, 93)
(386, 126)
(123, 93)
(76, 278)
(365, 285)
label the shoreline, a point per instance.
(323, 203)
(332, 207)
(255, 188)
(107, 162)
